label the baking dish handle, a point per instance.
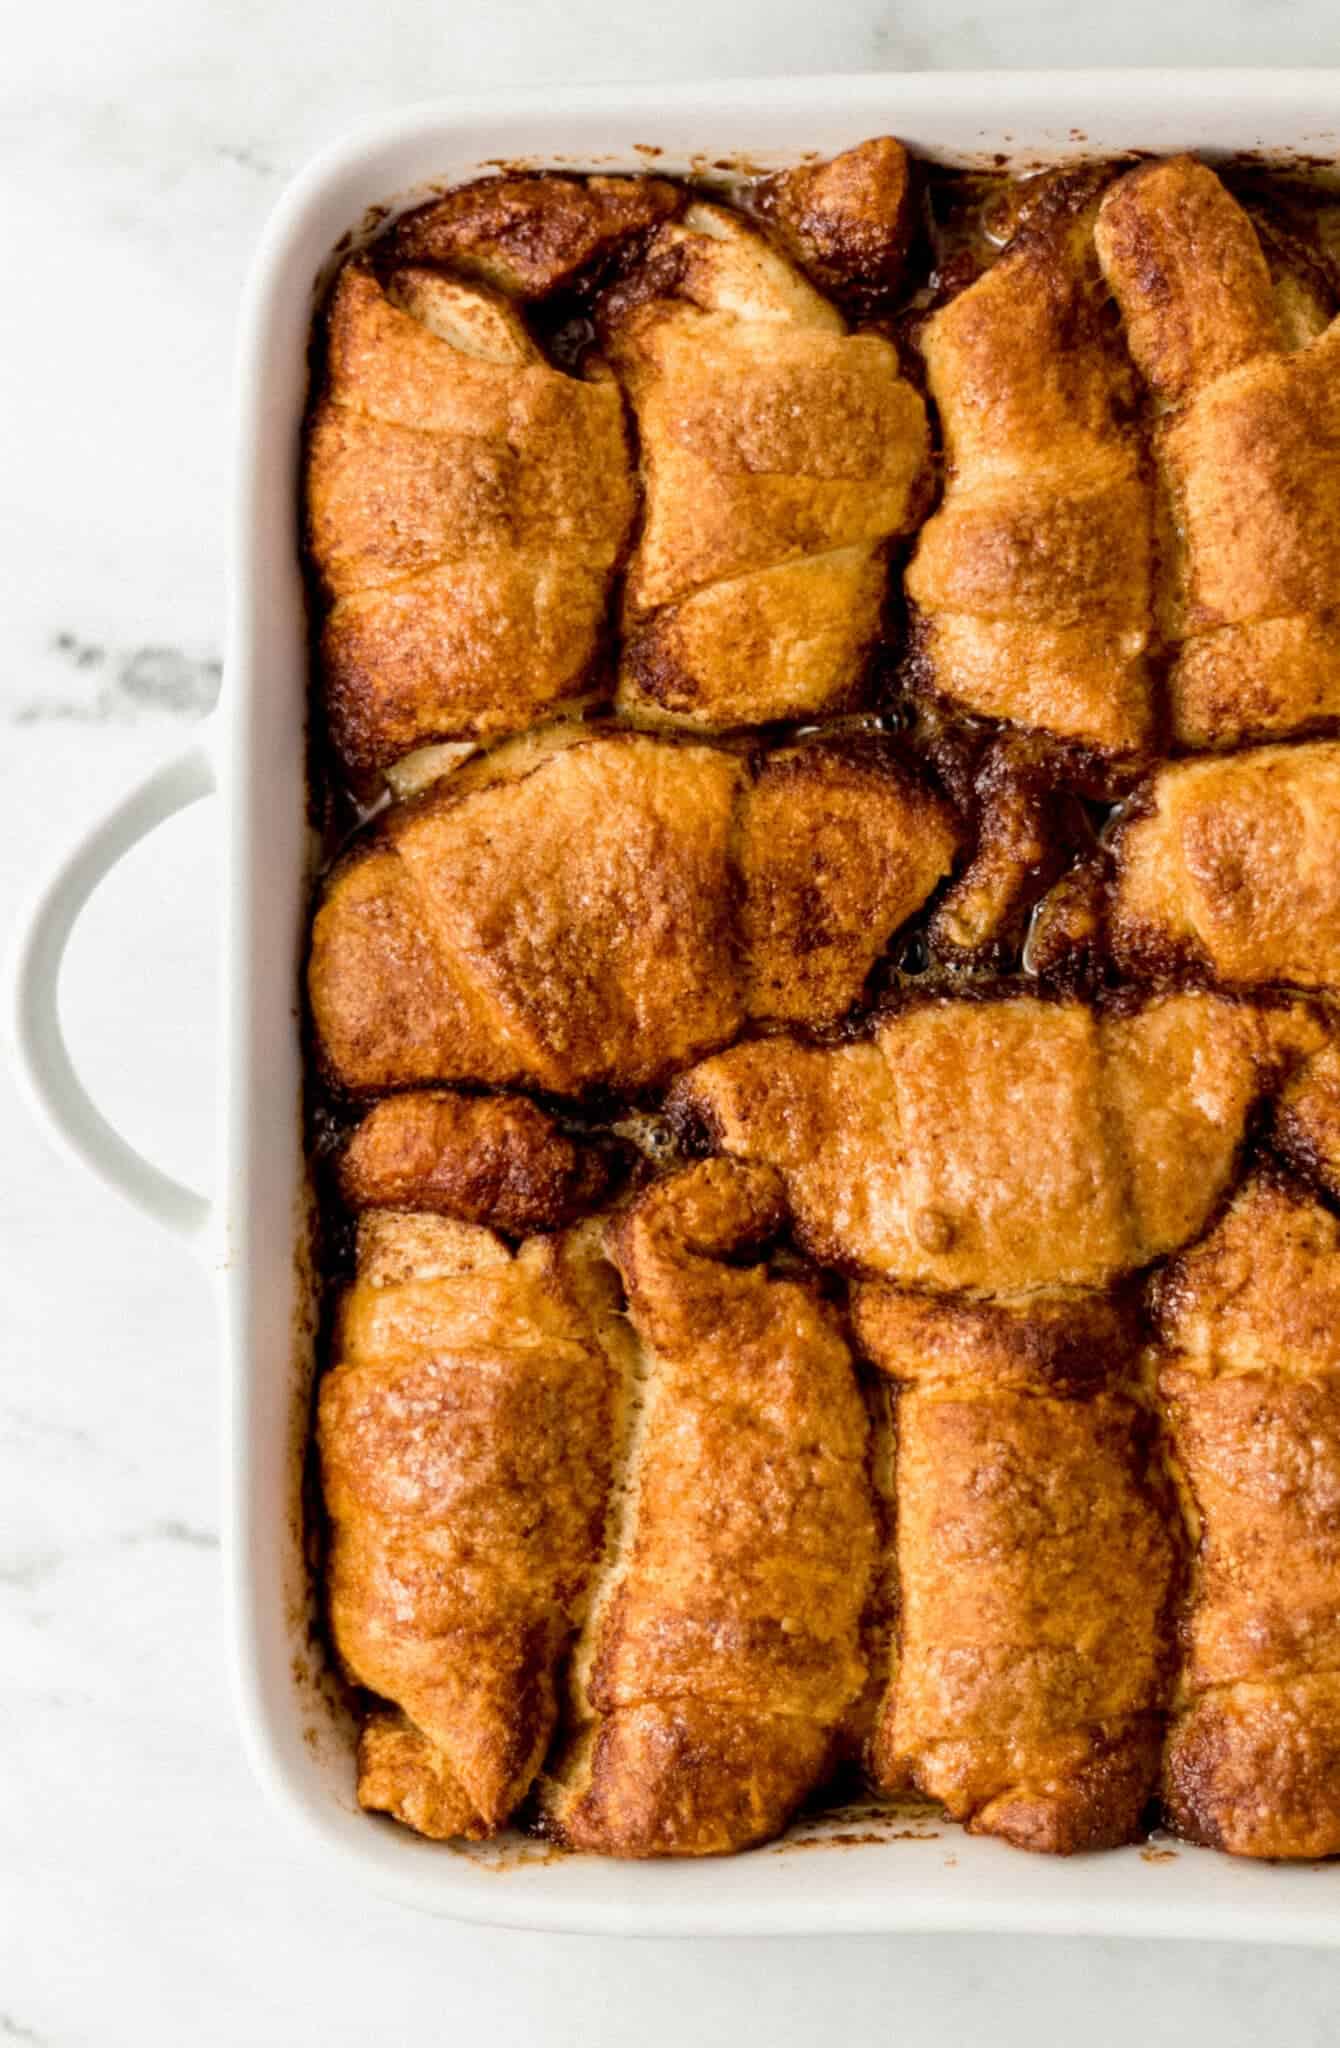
(42, 1059)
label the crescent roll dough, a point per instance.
(467, 504)
(530, 236)
(849, 221)
(1232, 864)
(493, 1159)
(1249, 450)
(1034, 1565)
(1249, 1374)
(1032, 582)
(466, 1429)
(779, 453)
(577, 911)
(724, 1643)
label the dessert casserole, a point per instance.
(824, 1058)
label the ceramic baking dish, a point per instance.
(875, 1876)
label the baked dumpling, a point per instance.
(1035, 1565)
(1006, 1144)
(779, 455)
(467, 1428)
(1249, 452)
(849, 220)
(1249, 1376)
(723, 1647)
(1031, 585)
(529, 236)
(493, 1159)
(467, 504)
(1307, 1120)
(578, 910)
(1016, 851)
(1231, 864)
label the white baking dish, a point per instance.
(252, 1232)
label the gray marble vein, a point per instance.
(162, 680)
(172, 1531)
(13, 2030)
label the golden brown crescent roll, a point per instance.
(495, 1159)
(1250, 1376)
(578, 910)
(1005, 1144)
(1032, 582)
(529, 236)
(1249, 450)
(466, 504)
(838, 846)
(1231, 864)
(1035, 1566)
(466, 1429)
(724, 1642)
(848, 221)
(779, 453)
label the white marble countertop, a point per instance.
(146, 1895)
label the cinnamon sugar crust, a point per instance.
(467, 505)
(584, 910)
(466, 1430)
(1035, 1563)
(849, 222)
(1231, 866)
(1249, 454)
(724, 1644)
(1094, 1145)
(531, 236)
(1032, 583)
(1249, 1375)
(778, 455)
